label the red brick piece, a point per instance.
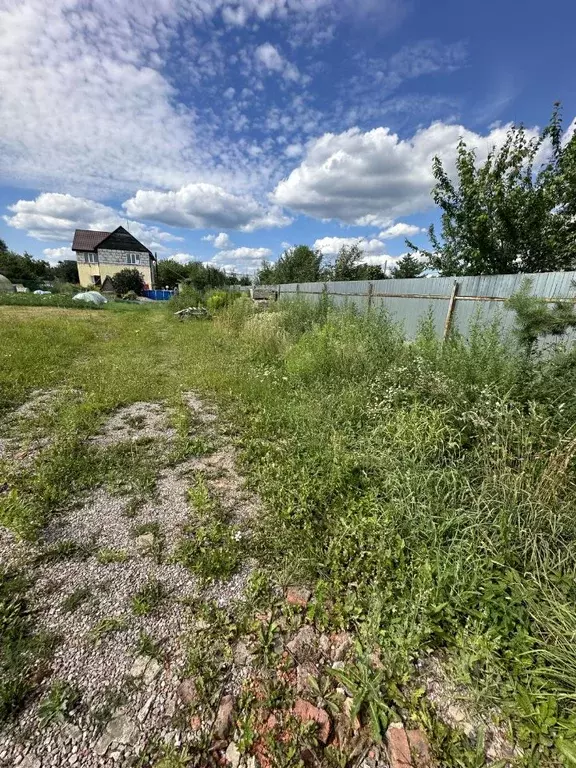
(420, 748)
(398, 747)
(308, 712)
(298, 596)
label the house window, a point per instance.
(133, 258)
(91, 258)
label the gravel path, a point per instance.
(126, 698)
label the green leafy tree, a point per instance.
(24, 268)
(170, 273)
(127, 280)
(408, 266)
(67, 271)
(300, 264)
(511, 213)
(349, 266)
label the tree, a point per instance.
(127, 280)
(349, 266)
(67, 271)
(511, 214)
(170, 273)
(408, 266)
(298, 265)
(24, 268)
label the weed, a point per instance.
(19, 515)
(22, 650)
(148, 598)
(146, 646)
(108, 555)
(75, 599)
(105, 627)
(211, 551)
(59, 704)
(156, 549)
(65, 550)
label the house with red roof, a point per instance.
(103, 254)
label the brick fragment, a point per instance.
(398, 746)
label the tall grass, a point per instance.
(428, 489)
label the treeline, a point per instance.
(33, 272)
(302, 264)
(200, 276)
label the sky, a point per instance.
(225, 131)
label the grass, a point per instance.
(58, 705)
(108, 555)
(22, 648)
(75, 599)
(148, 598)
(427, 491)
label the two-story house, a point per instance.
(103, 254)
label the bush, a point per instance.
(187, 297)
(128, 279)
(217, 300)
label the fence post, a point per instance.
(370, 292)
(450, 312)
(297, 290)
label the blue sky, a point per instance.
(226, 130)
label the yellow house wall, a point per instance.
(87, 271)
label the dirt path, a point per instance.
(108, 586)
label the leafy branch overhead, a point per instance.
(516, 212)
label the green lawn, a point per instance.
(426, 493)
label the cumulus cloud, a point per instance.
(54, 216)
(183, 258)
(204, 205)
(221, 240)
(54, 255)
(244, 260)
(400, 229)
(272, 60)
(330, 246)
(371, 178)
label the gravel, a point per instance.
(126, 699)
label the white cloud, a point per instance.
(221, 240)
(400, 229)
(54, 216)
(330, 246)
(273, 61)
(183, 258)
(204, 205)
(293, 150)
(372, 178)
(54, 255)
(243, 260)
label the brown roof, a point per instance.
(88, 239)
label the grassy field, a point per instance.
(426, 493)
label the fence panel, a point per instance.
(453, 302)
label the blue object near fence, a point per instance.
(158, 295)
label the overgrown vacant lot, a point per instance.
(294, 515)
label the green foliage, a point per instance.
(510, 214)
(148, 598)
(188, 296)
(22, 649)
(535, 318)
(211, 550)
(67, 271)
(127, 280)
(408, 266)
(106, 626)
(19, 515)
(146, 646)
(75, 599)
(348, 266)
(58, 705)
(299, 264)
(218, 300)
(24, 268)
(109, 555)
(58, 300)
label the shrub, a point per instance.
(187, 297)
(217, 300)
(128, 279)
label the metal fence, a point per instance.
(451, 302)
